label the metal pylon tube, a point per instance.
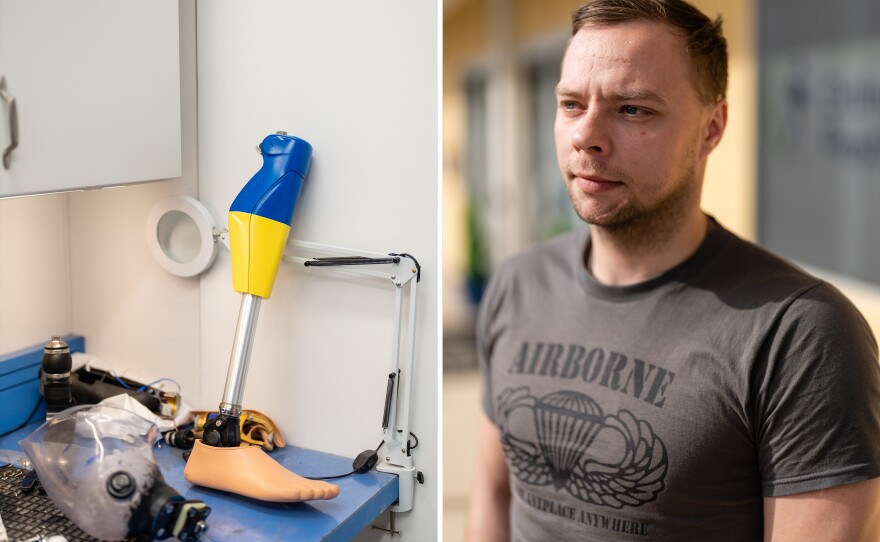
(242, 343)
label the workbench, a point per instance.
(362, 497)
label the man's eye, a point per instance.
(633, 111)
(569, 106)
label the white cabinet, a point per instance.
(97, 88)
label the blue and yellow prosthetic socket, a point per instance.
(260, 216)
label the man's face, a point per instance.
(631, 133)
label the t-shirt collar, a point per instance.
(716, 238)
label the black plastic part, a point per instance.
(389, 393)
(183, 439)
(365, 461)
(87, 388)
(154, 514)
(120, 485)
(211, 438)
(55, 378)
(56, 361)
(159, 513)
(420, 478)
(30, 481)
(348, 260)
(57, 394)
(409, 445)
(222, 432)
(194, 525)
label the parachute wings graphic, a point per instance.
(566, 455)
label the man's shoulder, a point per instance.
(556, 254)
(756, 275)
(545, 267)
(748, 265)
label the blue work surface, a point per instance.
(362, 498)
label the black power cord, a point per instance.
(364, 462)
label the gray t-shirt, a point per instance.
(668, 409)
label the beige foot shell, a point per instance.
(249, 471)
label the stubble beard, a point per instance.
(636, 224)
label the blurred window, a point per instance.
(819, 157)
(478, 194)
(550, 207)
(542, 205)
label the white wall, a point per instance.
(359, 82)
(34, 272)
(139, 319)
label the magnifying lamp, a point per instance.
(181, 236)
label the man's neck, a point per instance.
(622, 257)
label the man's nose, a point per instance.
(591, 134)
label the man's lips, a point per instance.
(593, 184)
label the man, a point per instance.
(656, 377)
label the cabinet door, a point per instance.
(97, 87)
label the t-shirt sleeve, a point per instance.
(817, 405)
(486, 333)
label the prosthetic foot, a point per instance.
(249, 471)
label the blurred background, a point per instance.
(798, 169)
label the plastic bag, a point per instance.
(96, 463)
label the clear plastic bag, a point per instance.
(96, 463)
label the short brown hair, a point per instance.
(706, 45)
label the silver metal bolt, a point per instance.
(397, 283)
(259, 151)
(387, 458)
(393, 277)
(414, 270)
(281, 132)
(403, 450)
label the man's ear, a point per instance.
(713, 129)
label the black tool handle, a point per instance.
(348, 260)
(389, 393)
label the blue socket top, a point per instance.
(272, 192)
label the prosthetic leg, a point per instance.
(259, 222)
